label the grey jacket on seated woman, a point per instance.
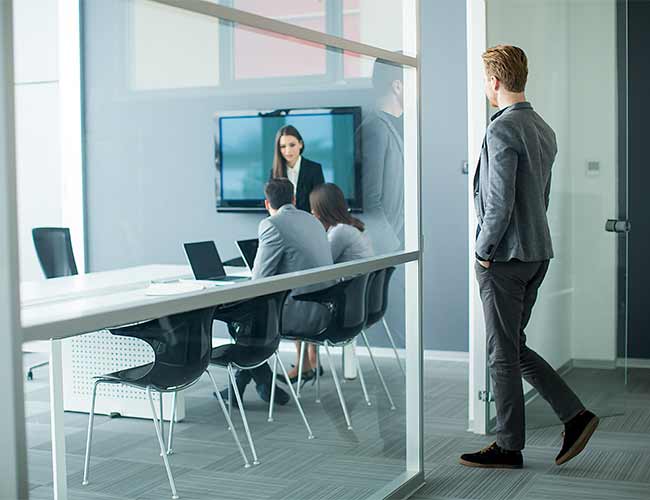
(344, 232)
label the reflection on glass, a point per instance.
(151, 185)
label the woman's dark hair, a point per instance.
(279, 163)
(278, 192)
(329, 206)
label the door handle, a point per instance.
(618, 226)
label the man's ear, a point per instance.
(267, 205)
(496, 83)
(398, 87)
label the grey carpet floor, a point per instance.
(343, 464)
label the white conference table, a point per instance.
(64, 307)
(80, 302)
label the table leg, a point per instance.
(349, 361)
(56, 421)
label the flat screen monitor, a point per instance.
(245, 145)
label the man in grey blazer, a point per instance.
(290, 240)
(513, 249)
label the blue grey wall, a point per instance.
(444, 148)
(149, 175)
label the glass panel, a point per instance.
(178, 148)
(576, 63)
(372, 22)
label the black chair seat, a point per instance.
(240, 355)
(150, 375)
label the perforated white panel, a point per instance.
(99, 353)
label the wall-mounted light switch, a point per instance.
(593, 168)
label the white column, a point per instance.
(477, 116)
(413, 241)
(13, 458)
(69, 56)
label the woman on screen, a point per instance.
(288, 162)
(347, 240)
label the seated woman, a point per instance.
(288, 162)
(347, 242)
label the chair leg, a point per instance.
(228, 420)
(273, 381)
(338, 387)
(30, 374)
(392, 342)
(243, 416)
(89, 437)
(317, 374)
(363, 382)
(381, 377)
(171, 425)
(293, 395)
(300, 365)
(230, 403)
(162, 421)
(162, 444)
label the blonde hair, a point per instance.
(509, 65)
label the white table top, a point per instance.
(73, 305)
(76, 297)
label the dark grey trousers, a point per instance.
(508, 292)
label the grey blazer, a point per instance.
(512, 186)
(289, 241)
(382, 179)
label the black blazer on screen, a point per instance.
(310, 176)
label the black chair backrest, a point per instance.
(350, 311)
(182, 344)
(54, 250)
(255, 322)
(378, 295)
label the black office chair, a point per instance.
(182, 346)
(255, 326)
(377, 304)
(54, 251)
(347, 305)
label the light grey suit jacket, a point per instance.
(382, 179)
(289, 241)
(512, 186)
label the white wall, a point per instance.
(39, 177)
(571, 48)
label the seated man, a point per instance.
(289, 240)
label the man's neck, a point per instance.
(390, 106)
(505, 100)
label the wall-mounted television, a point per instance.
(244, 152)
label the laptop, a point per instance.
(248, 251)
(206, 263)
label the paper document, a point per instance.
(173, 288)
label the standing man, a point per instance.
(513, 248)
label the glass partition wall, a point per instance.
(182, 104)
(577, 82)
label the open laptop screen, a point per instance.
(248, 250)
(204, 260)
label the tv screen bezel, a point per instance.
(257, 205)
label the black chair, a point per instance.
(348, 313)
(182, 346)
(377, 304)
(255, 326)
(54, 251)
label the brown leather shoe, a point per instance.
(577, 433)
